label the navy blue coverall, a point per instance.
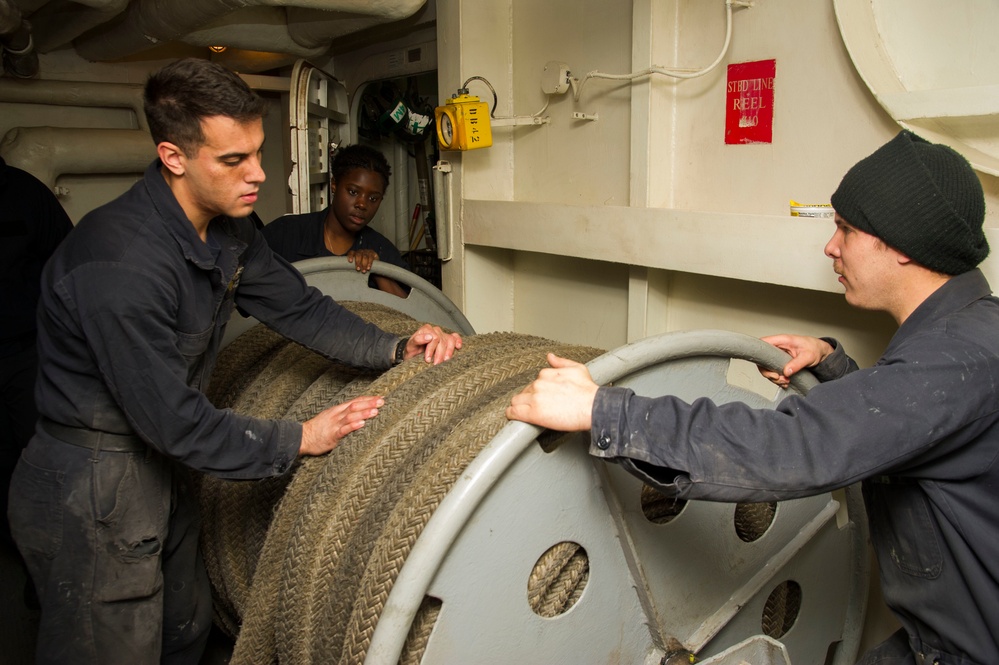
(133, 308)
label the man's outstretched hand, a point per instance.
(323, 432)
(561, 398)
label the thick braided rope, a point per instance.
(236, 368)
(257, 641)
(311, 505)
(237, 365)
(334, 507)
(419, 633)
(781, 606)
(369, 508)
(384, 317)
(558, 579)
(375, 491)
(237, 514)
(325, 390)
(460, 442)
(281, 381)
(240, 362)
(248, 531)
(242, 511)
(411, 512)
(403, 449)
(753, 519)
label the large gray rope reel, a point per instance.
(704, 576)
(441, 533)
(337, 277)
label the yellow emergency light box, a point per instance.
(463, 123)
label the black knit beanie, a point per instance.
(921, 198)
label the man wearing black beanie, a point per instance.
(920, 428)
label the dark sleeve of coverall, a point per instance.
(865, 422)
(143, 361)
(273, 292)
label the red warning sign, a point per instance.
(749, 96)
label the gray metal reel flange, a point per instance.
(693, 579)
(337, 277)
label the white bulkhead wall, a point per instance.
(71, 144)
(644, 221)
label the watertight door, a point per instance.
(931, 66)
(319, 123)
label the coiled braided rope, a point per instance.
(302, 565)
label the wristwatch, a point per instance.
(400, 351)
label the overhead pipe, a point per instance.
(312, 27)
(19, 56)
(10, 17)
(58, 23)
(49, 152)
(76, 93)
(253, 29)
(146, 23)
(250, 62)
(304, 33)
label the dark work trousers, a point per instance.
(17, 414)
(111, 542)
(893, 651)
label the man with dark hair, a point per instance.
(920, 428)
(359, 177)
(133, 308)
(175, 115)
